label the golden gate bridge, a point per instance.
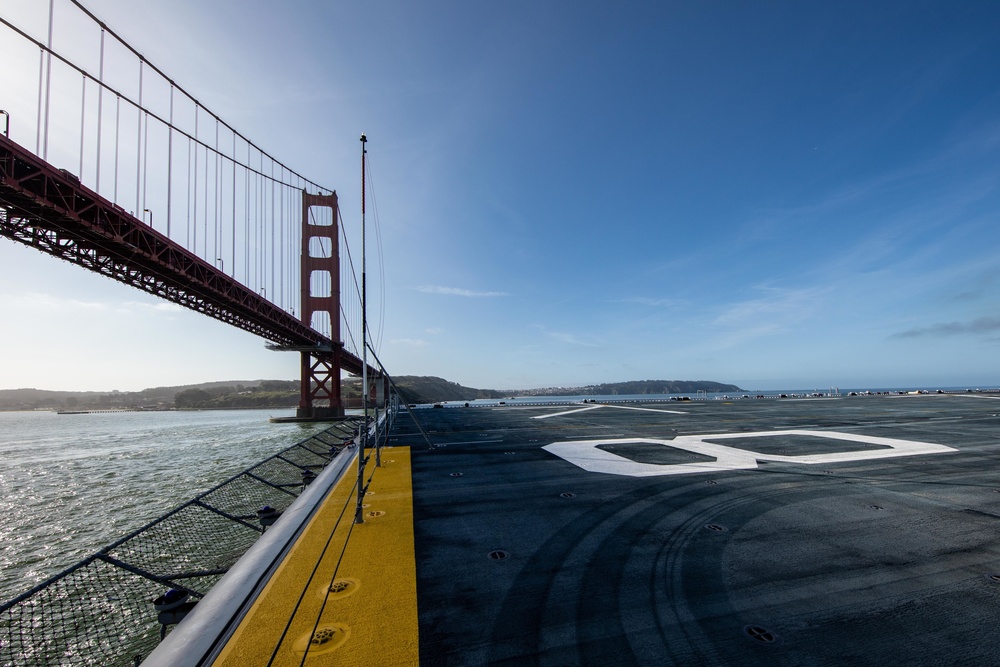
(134, 178)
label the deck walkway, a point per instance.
(371, 607)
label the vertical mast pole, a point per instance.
(363, 436)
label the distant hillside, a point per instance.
(226, 394)
(430, 389)
(285, 393)
(651, 387)
(265, 394)
(154, 398)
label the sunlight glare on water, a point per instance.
(71, 484)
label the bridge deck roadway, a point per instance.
(841, 543)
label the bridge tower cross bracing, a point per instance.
(320, 369)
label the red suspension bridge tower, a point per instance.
(321, 365)
(320, 376)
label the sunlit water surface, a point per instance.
(71, 484)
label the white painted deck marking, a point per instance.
(629, 407)
(569, 412)
(602, 405)
(586, 455)
(467, 442)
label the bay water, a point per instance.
(72, 484)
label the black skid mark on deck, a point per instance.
(590, 597)
(641, 617)
(517, 635)
(680, 569)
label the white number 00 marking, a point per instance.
(585, 453)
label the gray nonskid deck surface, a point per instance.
(883, 561)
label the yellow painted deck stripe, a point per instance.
(380, 615)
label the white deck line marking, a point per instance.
(629, 407)
(602, 405)
(508, 407)
(585, 453)
(467, 442)
(569, 412)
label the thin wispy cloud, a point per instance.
(566, 337)
(457, 291)
(777, 311)
(55, 301)
(159, 307)
(653, 303)
(778, 306)
(39, 301)
(35, 301)
(411, 342)
(982, 325)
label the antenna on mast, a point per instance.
(363, 436)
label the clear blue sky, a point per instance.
(772, 194)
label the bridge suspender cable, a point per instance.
(138, 150)
(100, 115)
(46, 55)
(170, 154)
(83, 118)
(48, 83)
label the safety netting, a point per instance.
(101, 611)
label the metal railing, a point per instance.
(101, 610)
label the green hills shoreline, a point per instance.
(249, 394)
